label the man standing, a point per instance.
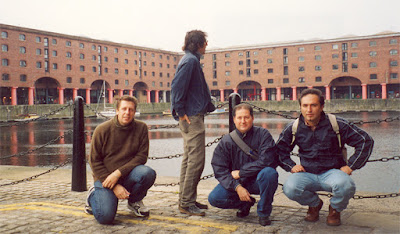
(190, 100)
(240, 174)
(322, 164)
(118, 152)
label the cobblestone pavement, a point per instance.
(49, 206)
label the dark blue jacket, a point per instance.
(319, 150)
(190, 94)
(229, 157)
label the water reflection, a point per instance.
(165, 141)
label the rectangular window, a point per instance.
(302, 79)
(4, 34)
(116, 71)
(81, 56)
(38, 39)
(248, 62)
(54, 42)
(301, 59)
(354, 65)
(22, 63)
(393, 41)
(372, 64)
(354, 55)
(335, 46)
(285, 70)
(394, 75)
(240, 62)
(69, 67)
(214, 74)
(38, 51)
(4, 62)
(270, 81)
(214, 65)
(255, 61)
(55, 66)
(215, 83)
(54, 53)
(227, 55)
(22, 78)
(46, 41)
(344, 56)
(126, 51)
(116, 60)
(247, 54)
(318, 79)
(4, 48)
(241, 72)
(82, 80)
(93, 69)
(354, 45)
(22, 50)
(82, 68)
(270, 70)
(301, 69)
(22, 37)
(335, 56)
(69, 55)
(227, 64)
(372, 43)
(126, 61)
(38, 64)
(318, 57)
(301, 49)
(227, 73)
(240, 54)
(335, 67)
(69, 80)
(317, 47)
(285, 51)
(81, 45)
(373, 76)
(68, 43)
(126, 71)
(344, 46)
(318, 68)
(248, 72)
(214, 57)
(344, 67)
(393, 63)
(285, 80)
(255, 71)
(5, 76)
(227, 82)
(285, 59)
(269, 61)
(269, 51)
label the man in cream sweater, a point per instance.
(119, 150)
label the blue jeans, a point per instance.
(265, 185)
(302, 187)
(103, 201)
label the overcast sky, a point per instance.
(163, 23)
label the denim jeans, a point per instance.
(265, 185)
(302, 187)
(103, 201)
(193, 158)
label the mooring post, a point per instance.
(78, 148)
(234, 99)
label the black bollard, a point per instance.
(234, 99)
(78, 149)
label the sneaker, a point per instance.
(264, 221)
(88, 209)
(139, 209)
(191, 210)
(201, 206)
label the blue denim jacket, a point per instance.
(190, 94)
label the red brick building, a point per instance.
(343, 68)
(45, 67)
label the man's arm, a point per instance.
(180, 85)
(284, 147)
(360, 140)
(96, 157)
(222, 166)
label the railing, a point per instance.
(79, 161)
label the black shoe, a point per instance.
(191, 210)
(264, 221)
(245, 210)
(201, 206)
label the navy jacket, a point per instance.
(319, 150)
(229, 157)
(190, 94)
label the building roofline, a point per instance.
(304, 42)
(81, 38)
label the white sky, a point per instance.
(163, 23)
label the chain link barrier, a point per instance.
(42, 117)
(36, 176)
(260, 109)
(38, 148)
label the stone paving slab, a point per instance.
(47, 205)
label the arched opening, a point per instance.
(46, 91)
(140, 92)
(249, 90)
(99, 91)
(346, 87)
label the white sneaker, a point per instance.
(139, 209)
(88, 209)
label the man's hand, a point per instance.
(346, 169)
(112, 179)
(244, 195)
(298, 168)
(235, 174)
(120, 192)
(185, 118)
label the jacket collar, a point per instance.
(118, 125)
(243, 135)
(322, 120)
(196, 54)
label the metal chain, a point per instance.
(36, 176)
(38, 148)
(180, 155)
(39, 118)
(355, 197)
(260, 109)
(384, 159)
(378, 121)
(177, 183)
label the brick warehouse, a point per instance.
(45, 67)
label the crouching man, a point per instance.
(118, 152)
(241, 173)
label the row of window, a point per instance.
(302, 49)
(38, 39)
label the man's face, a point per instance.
(202, 50)
(126, 112)
(243, 120)
(311, 108)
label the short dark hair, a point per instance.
(242, 106)
(194, 40)
(125, 98)
(315, 92)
